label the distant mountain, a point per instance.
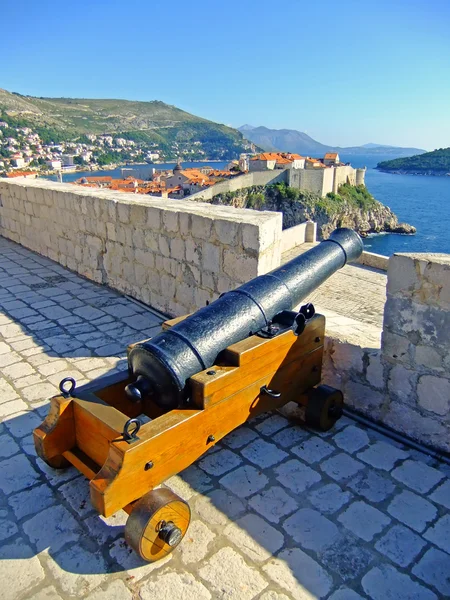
(151, 122)
(290, 140)
(430, 163)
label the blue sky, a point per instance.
(347, 72)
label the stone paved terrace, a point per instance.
(356, 291)
(278, 512)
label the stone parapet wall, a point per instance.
(174, 255)
(416, 344)
(298, 235)
(376, 261)
(400, 376)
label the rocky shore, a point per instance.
(328, 213)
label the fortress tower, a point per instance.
(360, 175)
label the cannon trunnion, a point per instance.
(127, 441)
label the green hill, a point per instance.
(146, 122)
(430, 163)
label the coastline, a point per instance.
(430, 173)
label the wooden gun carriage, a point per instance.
(99, 427)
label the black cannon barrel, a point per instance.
(164, 364)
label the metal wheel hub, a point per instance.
(170, 533)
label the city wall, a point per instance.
(172, 254)
(239, 183)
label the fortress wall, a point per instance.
(400, 376)
(172, 254)
(238, 183)
(345, 174)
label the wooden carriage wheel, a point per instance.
(324, 407)
(157, 524)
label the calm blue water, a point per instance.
(416, 199)
(420, 200)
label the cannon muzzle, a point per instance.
(163, 365)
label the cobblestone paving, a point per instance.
(355, 291)
(278, 512)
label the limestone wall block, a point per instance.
(127, 271)
(159, 263)
(434, 394)
(202, 297)
(138, 215)
(211, 257)
(239, 267)
(426, 356)
(207, 280)
(171, 266)
(201, 227)
(396, 347)
(403, 275)
(193, 252)
(185, 220)
(184, 294)
(168, 287)
(123, 213)
(100, 228)
(154, 282)
(402, 384)
(138, 238)
(364, 399)
(141, 274)
(270, 259)
(170, 221)
(154, 217)
(111, 210)
(145, 258)
(375, 370)
(346, 356)
(191, 274)
(164, 245)
(413, 423)
(151, 240)
(227, 232)
(177, 248)
(94, 242)
(72, 263)
(224, 284)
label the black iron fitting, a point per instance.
(288, 320)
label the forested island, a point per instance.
(430, 163)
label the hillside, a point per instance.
(290, 140)
(144, 122)
(430, 163)
(352, 207)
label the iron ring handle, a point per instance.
(67, 392)
(271, 393)
(127, 434)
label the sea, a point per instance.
(420, 200)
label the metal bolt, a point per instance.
(148, 465)
(210, 439)
(317, 340)
(210, 372)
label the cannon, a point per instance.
(249, 352)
